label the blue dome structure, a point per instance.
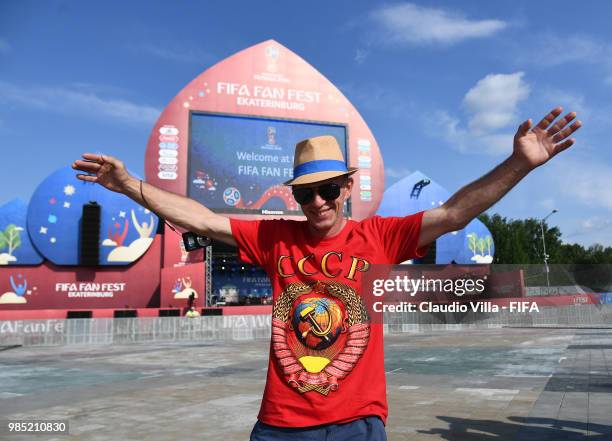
(417, 192)
(54, 221)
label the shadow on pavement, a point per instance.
(521, 428)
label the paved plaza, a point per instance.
(494, 384)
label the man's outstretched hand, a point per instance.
(533, 146)
(107, 171)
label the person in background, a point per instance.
(192, 312)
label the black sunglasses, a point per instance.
(328, 192)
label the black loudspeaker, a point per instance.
(90, 234)
(78, 314)
(124, 313)
(430, 257)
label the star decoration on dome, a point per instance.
(69, 190)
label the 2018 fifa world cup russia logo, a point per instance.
(272, 54)
(319, 332)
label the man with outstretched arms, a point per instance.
(326, 377)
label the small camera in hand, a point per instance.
(194, 242)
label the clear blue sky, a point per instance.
(442, 84)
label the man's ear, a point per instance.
(349, 186)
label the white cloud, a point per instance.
(492, 107)
(570, 100)
(377, 98)
(597, 228)
(181, 53)
(553, 51)
(78, 102)
(493, 101)
(5, 47)
(407, 23)
(360, 55)
(463, 140)
(596, 223)
(556, 51)
(132, 252)
(548, 203)
(397, 172)
(586, 180)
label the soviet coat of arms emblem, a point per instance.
(319, 332)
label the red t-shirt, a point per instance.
(326, 358)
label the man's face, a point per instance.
(323, 215)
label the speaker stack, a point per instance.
(90, 234)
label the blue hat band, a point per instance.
(319, 165)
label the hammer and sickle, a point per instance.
(308, 314)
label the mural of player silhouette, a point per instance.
(118, 237)
(137, 248)
(145, 229)
(187, 291)
(18, 293)
(19, 289)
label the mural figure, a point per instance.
(118, 237)
(416, 190)
(21, 288)
(145, 229)
(18, 293)
(187, 291)
(10, 239)
(476, 244)
(137, 248)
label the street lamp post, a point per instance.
(544, 247)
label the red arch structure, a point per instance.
(266, 80)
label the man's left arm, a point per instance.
(533, 146)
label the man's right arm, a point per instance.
(180, 210)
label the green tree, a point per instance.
(481, 245)
(489, 241)
(520, 242)
(472, 242)
(10, 238)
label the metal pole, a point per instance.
(208, 277)
(546, 269)
(545, 256)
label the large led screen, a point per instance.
(238, 164)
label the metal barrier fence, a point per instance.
(563, 316)
(134, 330)
(251, 327)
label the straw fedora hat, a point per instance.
(317, 159)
